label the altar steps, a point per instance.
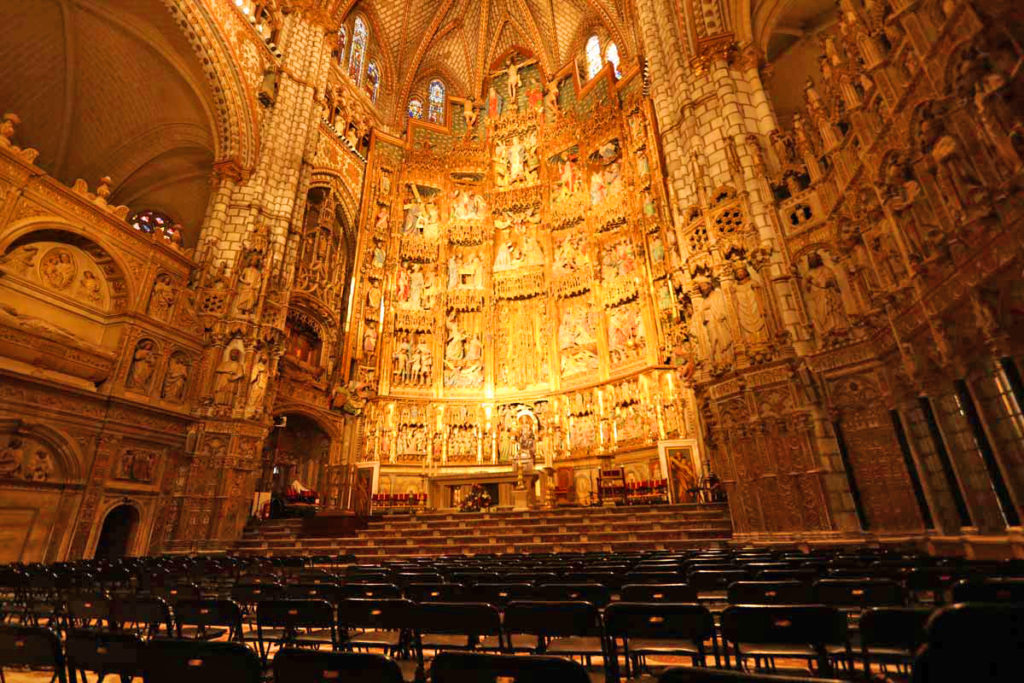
(392, 537)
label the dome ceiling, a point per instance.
(111, 87)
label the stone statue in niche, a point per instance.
(11, 457)
(606, 179)
(162, 298)
(493, 103)
(58, 268)
(749, 296)
(711, 314)
(141, 369)
(379, 257)
(373, 295)
(227, 376)
(173, 388)
(258, 385)
(577, 341)
(551, 97)
(825, 300)
(89, 286)
(249, 280)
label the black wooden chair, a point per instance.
(435, 592)
(770, 593)
(32, 646)
(208, 619)
(440, 626)
(284, 623)
(197, 661)
(648, 628)
(972, 642)
(466, 667)
(369, 590)
(688, 675)
(144, 616)
(498, 594)
(382, 623)
(890, 636)
(103, 653)
(857, 594)
(84, 611)
(569, 628)
(989, 590)
(658, 592)
(314, 666)
(767, 632)
(594, 593)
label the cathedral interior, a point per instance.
(350, 260)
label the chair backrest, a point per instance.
(197, 661)
(888, 627)
(89, 610)
(103, 652)
(249, 594)
(179, 591)
(658, 620)
(607, 579)
(468, 618)
(715, 579)
(806, 575)
(770, 593)
(499, 594)
(369, 590)
(472, 667)
(331, 592)
(147, 615)
(658, 592)
(375, 613)
(683, 674)
(989, 590)
(471, 577)
(551, 618)
(804, 624)
(294, 614)
(593, 593)
(435, 592)
(859, 592)
(318, 666)
(205, 613)
(973, 641)
(31, 646)
(635, 577)
(405, 578)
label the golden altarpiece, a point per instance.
(514, 299)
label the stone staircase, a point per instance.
(611, 529)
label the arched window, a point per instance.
(342, 44)
(372, 81)
(435, 110)
(611, 54)
(360, 36)
(593, 54)
(415, 108)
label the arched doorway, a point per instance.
(298, 452)
(116, 535)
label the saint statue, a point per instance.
(258, 385)
(174, 379)
(226, 378)
(143, 361)
(748, 306)
(712, 315)
(249, 285)
(824, 298)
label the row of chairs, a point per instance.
(961, 642)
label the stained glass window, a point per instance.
(360, 36)
(372, 84)
(435, 112)
(342, 44)
(154, 222)
(611, 54)
(415, 108)
(593, 53)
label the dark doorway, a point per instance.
(117, 532)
